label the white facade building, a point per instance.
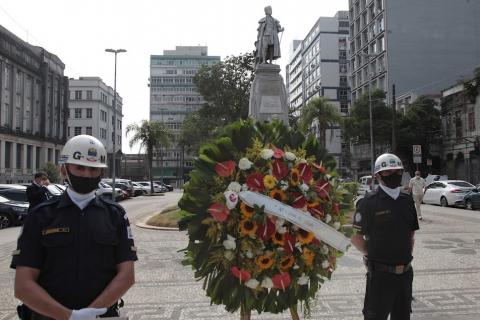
(91, 112)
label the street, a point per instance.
(446, 264)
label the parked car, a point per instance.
(126, 182)
(447, 193)
(12, 186)
(163, 184)
(139, 189)
(105, 190)
(19, 193)
(472, 199)
(365, 185)
(12, 212)
(156, 187)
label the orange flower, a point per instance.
(286, 262)
(247, 212)
(269, 181)
(264, 262)
(248, 228)
(278, 238)
(278, 194)
(308, 256)
(305, 237)
(295, 177)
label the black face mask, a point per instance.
(392, 181)
(83, 185)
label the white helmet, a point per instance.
(387, 161)
(84, 150)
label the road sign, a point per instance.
(417, 150)
(417, 158)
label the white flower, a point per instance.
(252, 283)
(230, 243)
(304, 187)
(325, 264)
(303, 280)
(244, 164)
(267, 283)
(244, 187)
(282, 229)
(295, 267)
(324, 249)
(229, 255)
(266, 154)
(328, 218)
(336, 225)
(290, 156)
(302, 161)
(231, 199)
(234, 186)
(249, 254)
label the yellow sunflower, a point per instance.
(307, 256)
(269, 181)
(278, 194)
(295, 177)
(278, 238)
(248, 228)
(286, 262)
(264, 262)
(305, 237)
(247, 211)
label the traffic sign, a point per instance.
(417, 158)
(417, 150)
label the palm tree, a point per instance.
(151, 135)
(323, 112)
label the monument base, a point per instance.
(268, 98)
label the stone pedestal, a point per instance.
(268, 99)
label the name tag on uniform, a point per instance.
(55, 230)
(379, 213)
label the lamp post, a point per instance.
(115, 51)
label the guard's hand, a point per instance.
(87, 313)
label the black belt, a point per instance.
(396, 269)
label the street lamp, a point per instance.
(115, 51)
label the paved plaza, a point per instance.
(446, 285)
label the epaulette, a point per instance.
(45, 203)
(111, 202)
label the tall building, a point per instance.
(172, 96)
(33, 104)
(91, 112)
(421, 46)
(318, 67)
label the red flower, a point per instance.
(281, 280)
(278, 153)
(266, 231)
(320, 168)
(279, 169)
(225, 169)
(255, 182)
(241, 274)
(316, 210)
(298, 200)
(219, 211)
(305, 172)
(289, 243)
(323, 188)
(335, 208)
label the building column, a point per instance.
(2, 156)
(34, 158)
(43, 156)
(24, 159)
(13, 164)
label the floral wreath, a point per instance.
(247, 258)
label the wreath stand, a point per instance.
(246, 314)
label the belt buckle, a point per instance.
(399, 269)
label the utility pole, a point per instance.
(394, 120)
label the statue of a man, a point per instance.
(267, 44)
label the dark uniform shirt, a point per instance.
(76, 250)
(36, 194)
(387, 226)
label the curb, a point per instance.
(142, 223)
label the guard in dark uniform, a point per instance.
(75, 255)
(36, 192)
(385, 222)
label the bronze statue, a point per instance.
(268, 44)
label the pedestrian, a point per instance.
(385, 222)
(416, 186)
(75, 255)
(36, 192)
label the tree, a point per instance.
(151, 135)
(52, 172)
(323, 112)
(225, 86)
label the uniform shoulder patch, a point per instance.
(358, 217)
(45, 203)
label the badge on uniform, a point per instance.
(55, 230)
(358, 217)
(129, 233)
(379, 213)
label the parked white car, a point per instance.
(364, 185)
(105, 190)
(447, 193)
(156, 187)
(139, 189)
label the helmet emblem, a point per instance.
(92, 154)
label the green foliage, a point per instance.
(472, 87)
(52, 172)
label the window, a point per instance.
(78, 94)
(343, 94)
(343, 81)
(89, 113)
(78, 131)
(344, 107)
(471, 120)
(89, 95)
(113, 137)
(78, 113)
(103, 115)
(113, 121)
(458, 124)
(88, 130)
